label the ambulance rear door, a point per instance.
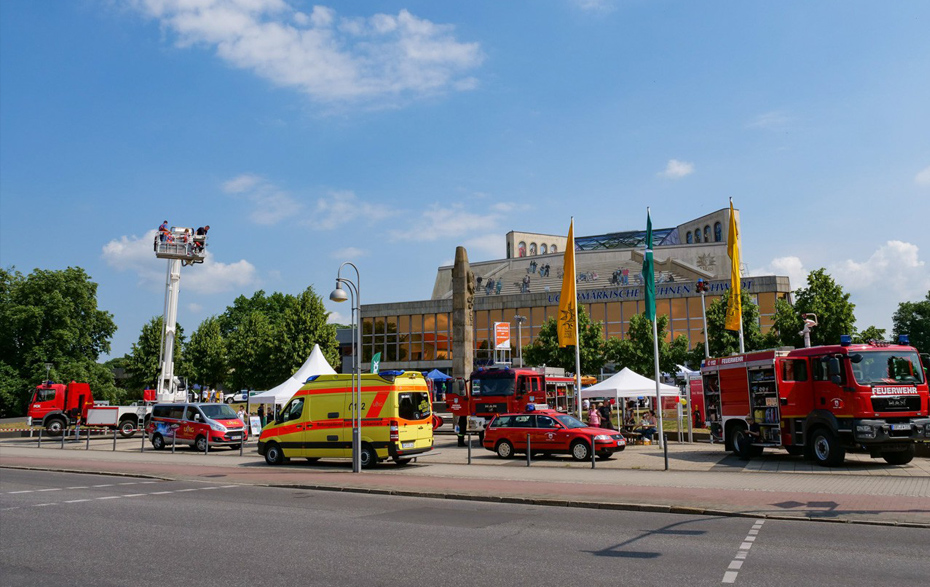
(415, 415)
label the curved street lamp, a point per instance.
(340, 295)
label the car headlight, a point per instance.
(603, 437)
(217, 427)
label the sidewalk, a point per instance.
(702, 479)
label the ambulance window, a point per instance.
(294, 410)
(794, 370)
(413, 405)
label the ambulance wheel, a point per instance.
(55, 426)
(826, 449)
(402, 462)
(581, 450)
(273, 454)
(158, 442)
(368, 456)
(200, 445)
(504, 449)
(900, 457)
(127, 428)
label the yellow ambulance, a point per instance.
(397, 420)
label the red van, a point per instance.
(193, 424)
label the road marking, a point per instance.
(737, 563)
(49, 489)
(77, 500)
(104, 485)
(23, 491)
(161, 492)
(134, 495)
(106, 497)
(42, 505)
(83, 487)
(110, 497)
(183, 490)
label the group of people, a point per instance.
(600, 413)
(197, 241)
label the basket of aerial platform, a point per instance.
(184, 244)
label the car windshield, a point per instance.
(218, 412)
(570, 421)
(492, 386)
(888, 368)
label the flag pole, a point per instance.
(577, 338)
(655, 339)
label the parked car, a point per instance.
(550, 432)
(239, 397)
(193, 424)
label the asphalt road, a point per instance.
(76, 529)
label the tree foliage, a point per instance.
(51, 316)
(142, 363)
(870, 333)
(545, 349)
(913, 319)
(206, 354)
(637, 350)
(825, 298)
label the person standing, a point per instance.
(604, 412)
(594, 418)
(261, 414)
(163, 231)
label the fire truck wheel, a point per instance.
(55, 426)
(369, 457)
(581, 451)
(127, 428)
(826, 449)
(158, 443)
(504, 449)
(273, 454)
(900, 457)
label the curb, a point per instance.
(630, 507)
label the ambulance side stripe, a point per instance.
(376, 406)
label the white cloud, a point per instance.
(449, 221)
(271, 204)
(676, 169)
(601, 6)
(341, 207)
(136, 254)
(348, 253)
(194, 307)
(337, 318)
(491, 246)
(775, 120)
(792, 267)
(923, 177)
(330, 58)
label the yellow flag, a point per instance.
(568, 310)
(734, 304)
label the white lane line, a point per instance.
(23, 491)
(161, 492)
(49, 489)
(134, 495)
(736, 564)
(129, 483)
(77, 500)
(82, 487)
(42, 505)
(104, 485)
(110, 497)
(147, 482)
(183, 490)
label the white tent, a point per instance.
(626, 383)
(314, 365)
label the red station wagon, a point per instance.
(550, 432)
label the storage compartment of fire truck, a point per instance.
(763, 401)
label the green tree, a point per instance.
(913, 319)
(51, 316)
(545, 349)
(826, 299)
(206, 354)
(249, 350)
(870, 333)
(302, 325)
(142, 364)
(637, 350)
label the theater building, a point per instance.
(527, 282)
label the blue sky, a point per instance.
(388, 133)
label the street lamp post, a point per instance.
(520, 320)
(339, 295)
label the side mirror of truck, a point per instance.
(833, 367)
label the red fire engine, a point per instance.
(502, 390)
(56, 406)
(820, 401)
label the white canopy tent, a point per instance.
(279, 395)
(627, 383)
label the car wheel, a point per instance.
(581, 450)
(900, 457)
(368, 456)
(826, 449)
(158, 442)
(504, 449)
(402, 462)
(273, 454)
(127, 428)
(55, 426)
(200, 445)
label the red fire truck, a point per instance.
(502, 390)
(56, 406)
(820, 401)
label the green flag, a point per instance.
(376, 362)
(649, 277)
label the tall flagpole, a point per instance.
(577, 338)
(655, 341)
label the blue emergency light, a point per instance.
(904, 339)
(530, 407)
(845, 340)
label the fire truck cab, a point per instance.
(820, 401)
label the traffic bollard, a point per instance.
(593, 456)
(87, 446)
(469, 449)
(206, 445)
(142, 446)
(174, 440)
(64, 433)
(114, 439)
(529, 451)
(242, 446)
(39, 445)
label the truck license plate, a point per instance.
(406, 444)
(900, 426)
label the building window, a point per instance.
(718, 232)
(521, 249)
(553, 249)
(707, 234)
(532, 249)
(697, 235)
(543, 249)
(689, 238)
